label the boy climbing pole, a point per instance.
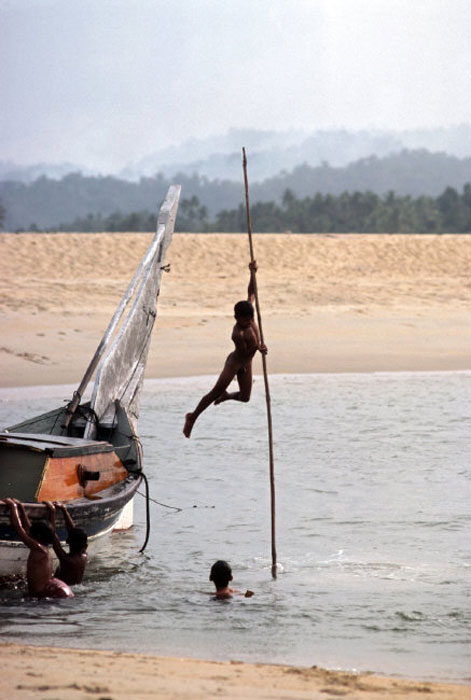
(246, 338)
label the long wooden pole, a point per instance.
(265, 375)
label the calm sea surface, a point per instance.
(373, 489)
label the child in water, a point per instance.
(38, 536)
(72, 563)
(246, 338)
(221, 576)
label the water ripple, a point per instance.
(372, 477)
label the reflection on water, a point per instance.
(373, 490)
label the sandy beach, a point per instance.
(330, 303)
(48, 672)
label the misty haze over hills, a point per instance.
(269, 152)
(273, 152)
(409, 163)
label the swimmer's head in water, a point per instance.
(221, 574)
(77, 540)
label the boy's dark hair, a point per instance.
(42, 532)
(77, 539)
(221, 574)
(243, 309)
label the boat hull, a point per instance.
(98, 517)
(95, 479)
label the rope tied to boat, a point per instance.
(164, 505)
(147, 512)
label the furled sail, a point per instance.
(120, 372)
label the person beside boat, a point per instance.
(38, 537)
(246, 338)
(72, 563)
(221, 576)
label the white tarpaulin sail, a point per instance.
(121, 371)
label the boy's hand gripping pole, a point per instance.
(265, 374)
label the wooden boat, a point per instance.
(88, 454)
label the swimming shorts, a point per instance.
(56, 588)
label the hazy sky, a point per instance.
(106, 82)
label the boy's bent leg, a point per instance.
(225, 378)
(244, 379)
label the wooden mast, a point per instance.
(265, 376)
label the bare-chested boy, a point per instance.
(221, 576)
(38, 536)
(238, 364)
(72, 563)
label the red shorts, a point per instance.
(56, 588)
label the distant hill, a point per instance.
(270, 152)
(29, 173)
(47, 203)
(406, 173)
(273, 152)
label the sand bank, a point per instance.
(48, 672)
(330, 303)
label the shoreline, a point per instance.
(32, 668)
(37, 391)
(34, 352)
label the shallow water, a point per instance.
(373, 538)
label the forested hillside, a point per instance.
(53, 204)
(364, 212)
